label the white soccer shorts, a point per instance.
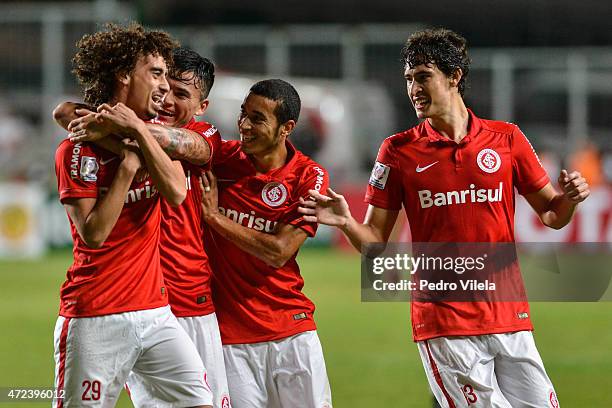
(204, 332)
(286, 373)
(489, 371)
(94, 355)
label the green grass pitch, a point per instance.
(370, 356)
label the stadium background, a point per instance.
(545, 65)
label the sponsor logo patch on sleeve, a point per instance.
(89, 168)
(379, 176)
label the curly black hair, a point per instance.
(199, 69)
(440, 46)
(103, 55)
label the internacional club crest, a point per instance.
(274, 194)
(488, 160)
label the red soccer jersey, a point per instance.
(459, 193)
(184, 261)
(124, 274)
(254, 301)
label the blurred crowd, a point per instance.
(592, 161)
(20, 154)
(14, 141)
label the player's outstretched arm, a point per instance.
(333, 210)
(554, 208)
(93, 218)
(167, 175)
(181, 144)
(274, 249)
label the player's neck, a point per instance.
(453, 123)
(266, 161)
(120, 94)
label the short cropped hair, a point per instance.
(103, 55)
(440, 46)
(284, 93)
(200, 69)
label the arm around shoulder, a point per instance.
(181, 144)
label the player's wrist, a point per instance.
(345, 225)
(130, 162)
(137, 130)
(567, 200)
(211, 216)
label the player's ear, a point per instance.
(202, 108)
(287, 127)
(123, 78)
(455, 77)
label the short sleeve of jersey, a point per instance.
(76, 166)
(209, 132)
(221, 149)
(315, 178)
(385, 184)
(527, 171)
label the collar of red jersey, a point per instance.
(280, 173)
(474, 127)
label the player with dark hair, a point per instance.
(184, 260)
(114, 314)
(273, 355)
(197, 68)
(478, 353)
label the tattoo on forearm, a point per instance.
(182, 144)
(174, 141)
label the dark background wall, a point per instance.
(484, 22)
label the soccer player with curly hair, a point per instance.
(455, 176)
(114, 313)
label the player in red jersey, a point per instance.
(113, 314)
(184, 260)
(273, 355)
(455, 174)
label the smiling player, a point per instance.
(273, 355)
(114, 314)
(184, 260)
(479, 354)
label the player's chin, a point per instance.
(151, 111)
(248, 148)
(425, 112)
(421, 114)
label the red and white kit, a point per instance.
(184, 260)
(114, 299)
(187, 273)
(257, 303)
(460, 193)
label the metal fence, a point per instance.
(559, 96)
